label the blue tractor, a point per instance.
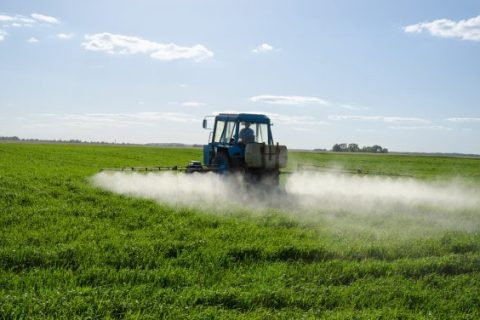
(242, 143)
(239, 144)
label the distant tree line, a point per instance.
(353, 147)
(10, 138)
(77, 141)
(15, 138)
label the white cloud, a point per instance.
(294, 120)
(16, 21)
(3, 34)
(94, 120)
(32, 40)
(44, 18)
(463, 120)
(365, 130)
(262, 48)
(287, 100)
(421, 128)
(4, 18)
(350, 107)
(445, 28)
(137, 116)
(120, 44)
(65, 36)
(193, 104)
(302, 129)
(283, 119)
(378, 118)
(172, 51)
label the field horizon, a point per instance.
(180, 145)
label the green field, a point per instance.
(69, 249)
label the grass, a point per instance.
(68, 249)
(421, 167)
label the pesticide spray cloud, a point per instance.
(327, 198)
(367, 193)
(195, 190)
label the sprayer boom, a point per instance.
(193, 166)
(141, 169)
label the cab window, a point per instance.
(261, 135)
(253, 132)
(225, 131)
(219, 130)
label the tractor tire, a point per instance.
(265, 180)
(222, 162)
(270, 179)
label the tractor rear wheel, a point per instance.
(267, 180)
(222, 162)
(270, 179)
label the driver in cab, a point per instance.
(246, 135)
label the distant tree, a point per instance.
(15, 138)
(353, 147)
(343, 147)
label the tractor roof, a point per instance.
(249, 117)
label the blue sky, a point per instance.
(403, 74)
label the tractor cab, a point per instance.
(232, 136)
(230, 129)
(231, 133)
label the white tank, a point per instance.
(268, 157)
